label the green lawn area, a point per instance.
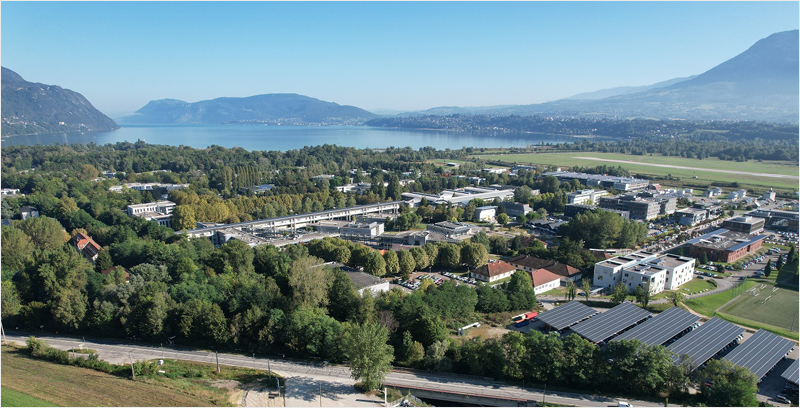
(642, 167)
(780, 310)
(707, 305)
(12, 398)
(696, 285)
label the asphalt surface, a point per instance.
(337, 389)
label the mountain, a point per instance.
(269, 108)
(760, 84)
(32, 108)
(625, 90)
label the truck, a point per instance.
(524, 319)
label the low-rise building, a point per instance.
(544, 280)
(778, 220)
(366, 282)
(516, 209)
(262, 188)
(738, 194)
(359, 188)
(28, 212)
(588, 196)
(492, 271)
(450, 228)
(713, 192)
(358, 230)
(571, 210)
(744, 224)
(691, 216)
(725, 246)
(647, 269)
(86, 246)
(9, 191)
(602, 180)
(768, 195)
(159, 211)
(532, 264)
(485, 213)
(638, 208)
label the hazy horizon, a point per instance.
(374, 55)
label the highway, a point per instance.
(333, 376)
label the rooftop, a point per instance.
(493, 269)
(362, 279)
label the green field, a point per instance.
(12, 398)
(696, 285)
(707, 305)
(703, 176)
(780, 310)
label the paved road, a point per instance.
(690, 168)
(336, 383)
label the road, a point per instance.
(303, 379)
(671, 166)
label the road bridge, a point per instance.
(298, 220)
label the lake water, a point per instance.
(259, 137)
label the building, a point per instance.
(331, 226)
(359, 230)
(777, 220)
(725, 246)
(588, 196)
(460, 197)
(86, 246)
(738, 194)
(485, 213)
(713, 192)
(642, 268)
(366, 282)
(544, 280)
(571, 210)
(532, 264)
(668, 203)
(744, 224)
(411, 238)
(259, 189)
(638, 208)
(450, 228)
(28, 212)
(516, 209)
(223, 236)
(9, 192)
(147, 187)
(492, 271)
(359, 188)
(714, 210)
(601, 180)
(159, 211)
(769, 195)
(691, 216)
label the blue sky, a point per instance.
(375, 55)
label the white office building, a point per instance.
(588, 196)
(642, 268)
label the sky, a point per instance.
(374, 55)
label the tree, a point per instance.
(374, 263)
(586, 286)
(309, 282)
(183, 218)
(725, 384)
(502, 219)
(523, 194)
(88, 172)
(768, 268)
(412, 351)
(642, 294)
(481, 238)
(435, 358)
(407, 263)
(619, 294)
(450, 256)
(676, 297)
(45, 233)
(703, 258)
(571, 290)
(343, 297)
(420, 258)
(369, 355)
(17, 248)
(474, 255)
(392, 262)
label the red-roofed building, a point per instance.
(492, 271)
(530, 263)
(566, 272)
(86, 246)
(544, 280)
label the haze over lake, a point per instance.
(260, 137)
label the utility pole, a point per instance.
(130, 356)
(320, 394)
(216, 354)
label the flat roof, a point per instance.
(662, 327)
(790, 374)
(705, 341)
(363, 280)
(760, 352)
(706, 236)
(566, 315)
(748, 242)
(608, 324)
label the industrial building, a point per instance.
(778, 220)
(723, 245)
(459, 197)
(646, 269)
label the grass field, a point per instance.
(696, 285)
(75, 386)
(772, 167)
(707, 305)
(12, 398)
(780, 310)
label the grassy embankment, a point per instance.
(644, 166)
(12, 398)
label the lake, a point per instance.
(260, 137)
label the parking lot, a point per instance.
(438, 278)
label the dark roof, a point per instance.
(563, 269)
(566, 315)
(791, 373)
(531, 262)
(28, 208)
(363, 280)
(662, 327)
(702, 343)
(493, 269)
(760, 352)
(608, 324)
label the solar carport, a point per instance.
(608, 324)
(791, 373)
(707, 340)
(760, 352)
(566, 315)
(661, 328)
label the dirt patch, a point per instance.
(234, 389)
(486, 331)
(257, 395)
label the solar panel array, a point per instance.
(566, 315)
(662, 327)
(748, 242)
(706, 236)
(791, 373)
(607, 324)
(703, 342)
(760, 352)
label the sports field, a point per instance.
(644, 165)
(767, 304)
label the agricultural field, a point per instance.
(773, 306)
(645, 165)
(64, 385)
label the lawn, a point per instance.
(780, 310)
(643, 167)
(696, 285)
(707, 305)
(12, 398)
(66, 385)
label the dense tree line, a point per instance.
(604, 229)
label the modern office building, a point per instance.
(723, 245)
(450, 228)
(588, 196)
(638, 208)
(744, 224)
(691, 216)
(485, 213)
(159, 211)
(646, 269)
(601, 180)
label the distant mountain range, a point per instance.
(290, 109)
(31, 108)
(759, 84)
